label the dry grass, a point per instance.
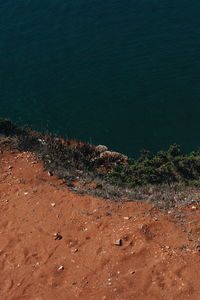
(77, 162)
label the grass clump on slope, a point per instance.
(159, 178)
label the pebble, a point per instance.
(60, 268)
(132, 272)
(118, 242)
(74, 250)
(53, 204)
(57, 236)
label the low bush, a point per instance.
(73, 160)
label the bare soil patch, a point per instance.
(55, 244)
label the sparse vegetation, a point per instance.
(165, 174)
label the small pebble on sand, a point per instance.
(57, 236)
(118, 242)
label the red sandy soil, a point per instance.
(159, 256)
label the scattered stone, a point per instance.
(50, 173)
(74, 250)
(132, 272)
(84, 229)
(127, 218)
(194, 207)
(101, 148)
(118, 242)
(60, 268)
(57, 236)
(26, 193)
(10, 167)
(53, 204)
(42, 141)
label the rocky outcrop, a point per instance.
(114, 155)
(101, 148)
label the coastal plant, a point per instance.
(73, 160)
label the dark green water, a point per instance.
(121, 73)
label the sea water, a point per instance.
(121, 73)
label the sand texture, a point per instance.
(55, 244)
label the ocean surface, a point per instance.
(121, 73)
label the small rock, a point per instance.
(132, 272)
(53, 204)
(118, 242)
(10, 167)
(101, 148)
(60, 268)
(194, 207)
(57, 236)
(50, 173)
(42, 141)
(127, 218)
(74, 250)
(84, 229)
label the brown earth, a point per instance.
(55, 244)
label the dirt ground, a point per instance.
(55, 244)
